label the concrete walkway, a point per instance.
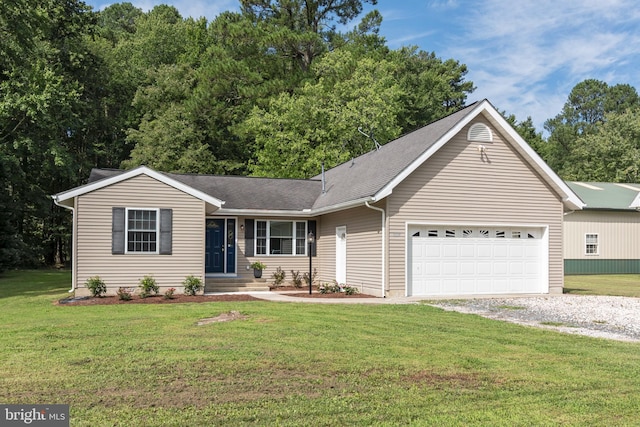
(280, 297)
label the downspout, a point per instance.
(384, 241)
(73, 239)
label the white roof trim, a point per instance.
(568, 196)
(141, 170)
(636, 202)
(305, 213)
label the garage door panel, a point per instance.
(531, 268)
(500, 268)
(433, 251)
(450, 268)
(516, 251)
(484, 268)
(500, 286)
(449, 250)
(433, 268)
(486, 261)
(484, 286)
(467, 286)
(484, 250)
(500, 251)
(467, 268)
(516, 268)
(467, 251)
(417, 269)
(532, 252)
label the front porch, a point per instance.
(235, 284)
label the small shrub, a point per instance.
(349, 290)
(192, 285)
(278, 277)
(329, 288)
(305, 276)
(168, 294)
(124, 294)
(148, 286)
(96, 286)
(335, 287)
(296, 278)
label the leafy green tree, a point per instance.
(583, 113)
(321, 123)
(305, 26)
(527, 130)
(611, 153)
(432, 87)
(118, 21)
(44, 128)
(168, 139)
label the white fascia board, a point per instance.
(305, 213)
(388, 189)
(263, 213)
(141, 170)
(636, 202)
(342, 206)
(568, 196)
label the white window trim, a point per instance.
(597, 244)
(126, 232)
(293, 239)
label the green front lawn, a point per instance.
(301, 364)
(627, 285)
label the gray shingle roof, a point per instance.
(244, 192)
(369, 173)
(360, 178)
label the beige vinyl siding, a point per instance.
(458, 185)
(618, 234)
(94, 214)
(364, 248)
(286, 262)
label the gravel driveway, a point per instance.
(615, 318)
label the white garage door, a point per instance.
(456, 260)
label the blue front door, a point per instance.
(220, 244)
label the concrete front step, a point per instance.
(235, 284)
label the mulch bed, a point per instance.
(157, 299)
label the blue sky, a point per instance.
(525, 56)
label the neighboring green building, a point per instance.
(603, 238)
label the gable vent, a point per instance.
(480, 133)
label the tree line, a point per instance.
(274, 89)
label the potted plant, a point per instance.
(257, 269)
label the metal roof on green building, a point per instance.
(606, 195)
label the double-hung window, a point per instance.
(591, 244)
(281, 237)
(142, 230)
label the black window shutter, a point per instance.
(117, 231)
(166, 231)
(312, 229)
(248, 237)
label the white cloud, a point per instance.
(526, 56)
